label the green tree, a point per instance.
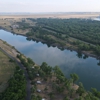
(74, 77)
(81, 89)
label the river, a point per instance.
(69, 61)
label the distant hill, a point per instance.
(29, 13)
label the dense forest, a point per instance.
(83, 29)
(16, 88)
(82, 34)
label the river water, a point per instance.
(69, 61)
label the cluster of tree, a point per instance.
(25, 61)
(83, 29)
(46, 69)
(36, 97)
(28, 64)
(23, 25)
(97, 50)
(62, 84)
(87, 47)
(59, 85)
(16, 89)
(83, 46)
(41, 31)
(32, 71)
(87, 32)
(46, 36)
(87, 95)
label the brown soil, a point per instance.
(9, 49)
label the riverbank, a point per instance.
(12, 53)
(71, 48)
(11, 25)
(42, 88)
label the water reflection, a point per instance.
(69, 61)
(98, 63)
(80, 55)
(85, 57)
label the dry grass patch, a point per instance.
(8, 23)
(86, 15)
(9, 49)
(6, 70)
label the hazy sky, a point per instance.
(49, 5)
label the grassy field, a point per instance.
(6, 70)
(9, 23)
(6, 67)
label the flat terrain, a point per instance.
(6, 67)
(6, 70)
(60, 15)
(9, 49)
(10, 25)
(46, 88)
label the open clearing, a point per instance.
(9, 25)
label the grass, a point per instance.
(8, 23)
(6, 70)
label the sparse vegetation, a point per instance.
(52, 84)
(8, 67)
